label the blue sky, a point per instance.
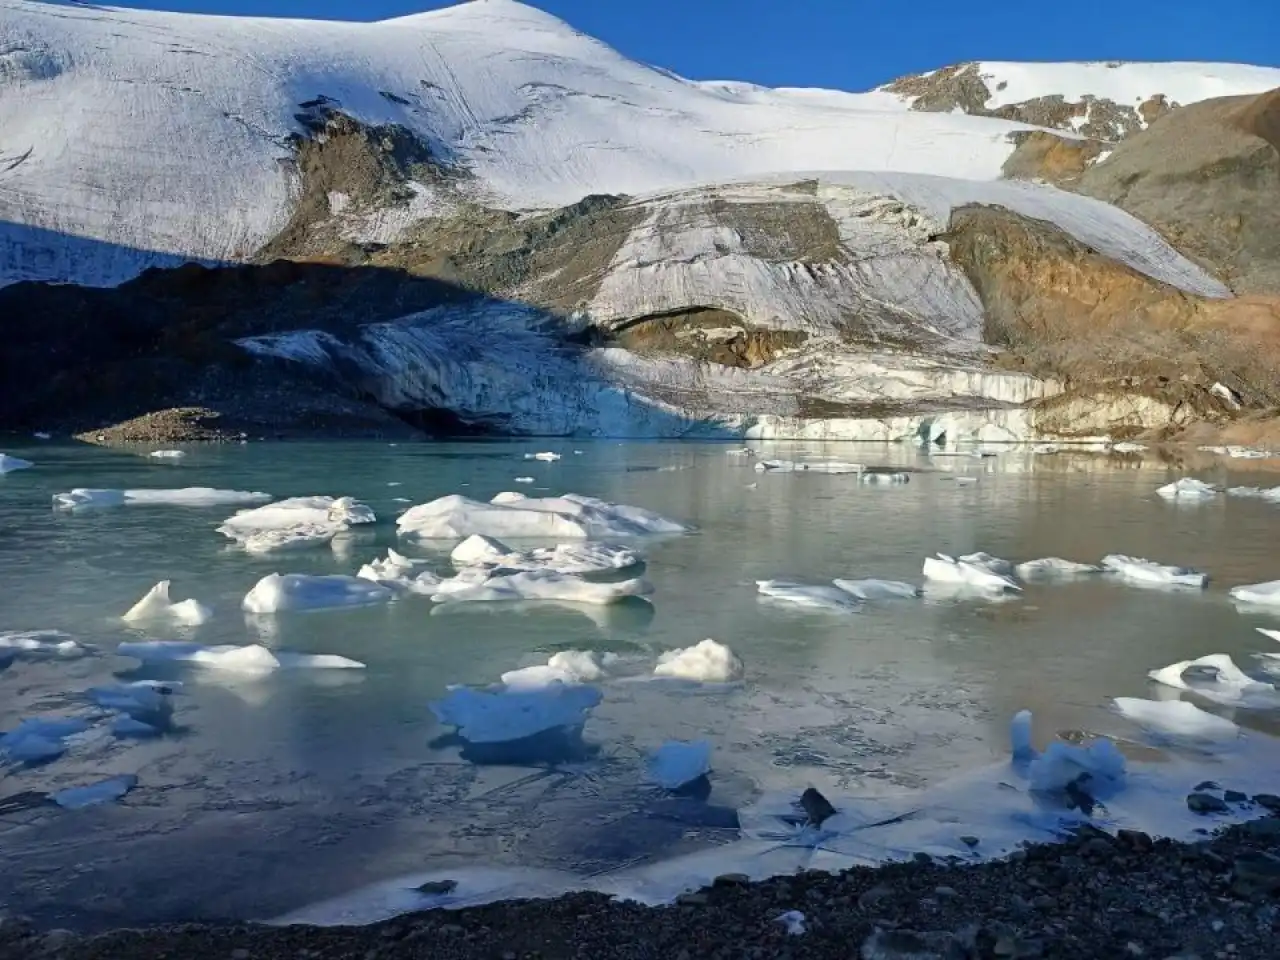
(855, 44)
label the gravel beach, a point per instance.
(1094, 896)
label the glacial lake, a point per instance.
(277, 791)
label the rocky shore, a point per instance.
(1094, 896)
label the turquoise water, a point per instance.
(280, 790)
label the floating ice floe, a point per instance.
(40, 739)
(705, 662)
(276, 593)
(42, 435)
(1049, 568)
(85, 497)
(970, 572)
(1046, 449)
(104, 791)
(523, 480)
(966, 481)
(536, 585)
(567, 667)
(1145, 572)
(816, 466)
(505, 714)
(1262, 594)
(1176, 718)
(679, 762)
(167, 454)
(878, 589)
(1270, 494)
(251, 658)
(885, 479)
(146, 705)
(402, 574)
(1098, 769)
(156, 606)
(1128, 446)
(41, 645)
(810, 596)
(570, 517)
(1238, 452)
(10, 464)
(577, 558)
(1188, 488)
(1216, 677)
(545, 457)
(740, 452)
(295, 523)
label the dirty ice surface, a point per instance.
(507, 746)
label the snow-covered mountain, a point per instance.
(732, 253)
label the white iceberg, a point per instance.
(85, 497)
(963, 573)
(156, 606)
(545, 457)
(10, 464)
(167, 454)
(41, 645)
(1263, 594)
(1176, 718)
(872, 589)
(295, 523)
(816, 466)
(104, 791)
(810, 596)
(577, 558)
(1049, 568)
(537, 585)
(570, 517)
(251, 658)
(705, 662)
(402, 574)
(1216, 677)
(1188, 488)
(566, 667)
(1145, 572)
(277, 592)
(40, 739)
(501, 715)
(679, 762)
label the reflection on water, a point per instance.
(276, 790)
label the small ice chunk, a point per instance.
(1020, 736)
(523, 480)
(167, 454)
(42, 435)
(793, 921)
(878, 589)
(39, 739)
(501, 715)
(156, 605)
(538, 585)
(1216, 677)
(1263, 594)
(1138, 571)
(508, 496)
(945, 569)
(885, 479)
(706, 662)
(251, 658)
(295, 523)
(816, 466)
(1046, 449)
(41, 644)
(678, 762)
(141, 699)
(569, 517)
(1049, 568)
(989, 562)
(966, 481)
(545, 457)
(10, 464)
(277, 592)
(1188, 488)
(1270, 494)
(1176, 718)
(810, 596)
(104, 791)
(567, 666)
(84, 497)
(740, 452)
(401, 573)
(295, 538)
(1063, 764)
(578, 558)
(1128, 446)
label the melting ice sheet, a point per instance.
(994, 806)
